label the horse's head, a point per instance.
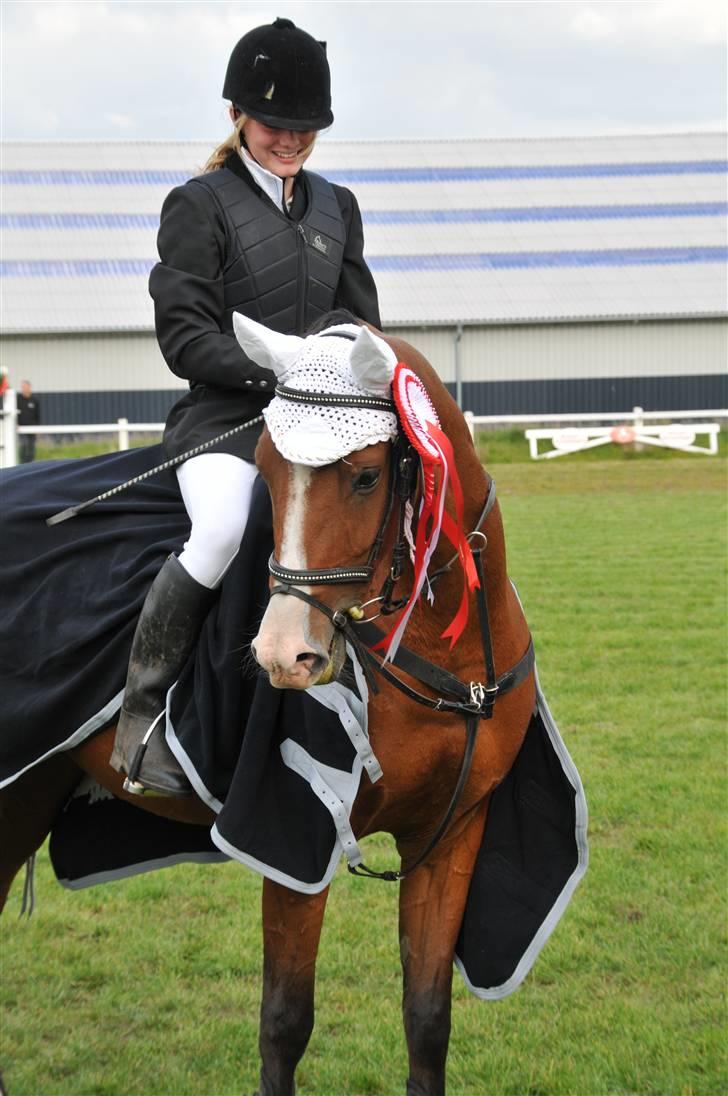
(328, 467)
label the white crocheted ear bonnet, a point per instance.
(343, 360)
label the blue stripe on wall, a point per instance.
(74, 268)
(397, 216)
(385, 175)
(545, 397)
(512, 260)
(536, 171)
(79, 220)
(506, 260)
(543, 213)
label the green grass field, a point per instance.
(152, 985)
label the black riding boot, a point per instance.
(168, 626)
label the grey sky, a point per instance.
(147, 69)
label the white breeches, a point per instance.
(216, 490)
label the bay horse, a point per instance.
(340, 555)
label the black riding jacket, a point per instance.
(225, 247)
(28, 410)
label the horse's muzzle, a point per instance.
(337, 657)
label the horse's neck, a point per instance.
(427, 623)
(475, 484)
(449, 583)
(431, 618)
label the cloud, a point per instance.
(59, 22)
(651, 24)
(592, 24)
(439, 69)
(121, 121)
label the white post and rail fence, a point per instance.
(548, 436)
(560, 434)
(10, 431)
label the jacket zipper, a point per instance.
(302, 279)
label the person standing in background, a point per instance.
(28, 415)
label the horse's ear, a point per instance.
(266, 348)
(372, 362)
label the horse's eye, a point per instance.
(366, 480)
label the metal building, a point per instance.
(541, 276)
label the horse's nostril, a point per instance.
(312, 662)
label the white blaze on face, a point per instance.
(293, 553)
(282, 635)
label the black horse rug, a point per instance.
(280, 769)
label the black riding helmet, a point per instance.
(279, 75)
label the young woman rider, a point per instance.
(257, 234)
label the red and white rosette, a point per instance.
(421, 424)
(416, 411)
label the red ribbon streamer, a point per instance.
(430, 524)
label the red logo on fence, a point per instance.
(623, 435)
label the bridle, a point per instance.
(402, 480)
(472, 700)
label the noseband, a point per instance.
(474, 700)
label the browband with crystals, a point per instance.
(326, 399)
(327, 575)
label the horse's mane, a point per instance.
(451, 417)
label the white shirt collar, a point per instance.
(269, 183)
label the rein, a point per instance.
(474, 700)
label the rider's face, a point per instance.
(280, 151)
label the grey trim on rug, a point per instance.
(272, 873)
(143, 866)
(353, 714)
(185, 761)
(335, 782)
(496, 993)
(300, 761)
(95, 723)
(341, 786)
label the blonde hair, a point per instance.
(230, 144)
(234, 142)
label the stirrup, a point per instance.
(132, 783)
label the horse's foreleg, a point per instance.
(28, 808)
(291, 932)
(431, 907)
